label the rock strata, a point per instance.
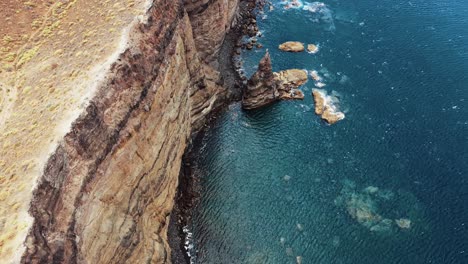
(403, 223)
(325, 107)
(262, 87)
(292, 46)
(266, 86)
(96, 119)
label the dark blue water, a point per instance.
(278, 183)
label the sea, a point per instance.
(387, 184)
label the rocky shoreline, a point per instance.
(188, 191)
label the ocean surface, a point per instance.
(388, 184)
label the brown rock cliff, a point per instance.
(106, 190)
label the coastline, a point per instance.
(188, 190)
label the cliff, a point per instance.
(98, 102)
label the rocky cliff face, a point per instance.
(211, 20)
(106, 191)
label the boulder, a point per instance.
(292, 77)
(292, 46)
(311, 48)
(325, 107)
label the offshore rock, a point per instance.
(262, 87)
(403, 223)
(325, 107)
(266, 86)
(291, 78)
(292, 46)
(312, 48)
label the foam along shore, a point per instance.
(314, 74)
(325, 106)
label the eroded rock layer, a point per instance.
(266, 86)
(262, 87)
(100, 104)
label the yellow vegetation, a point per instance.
(27, 56)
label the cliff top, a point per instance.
(53, 56)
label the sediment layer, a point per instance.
(98, 103)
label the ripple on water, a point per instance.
(399, 155)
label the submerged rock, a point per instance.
(363, 209)
(371, 189)
(299, 260)
(265, 86)
(369, 209)
(325, 107)
(292, 46)
(403, 223)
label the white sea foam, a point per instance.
(322, 14)
(320, 84)
(292, 4)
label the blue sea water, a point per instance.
(281, 186)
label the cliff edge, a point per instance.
(98, 100)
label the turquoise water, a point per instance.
(278, 183)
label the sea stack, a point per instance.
(266, 86)
(262, 87)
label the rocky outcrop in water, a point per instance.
(97, 117)
(266, 86)
(312, 48)
(325, 106)
(262, 87)
(292, 46)
(292, 78)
